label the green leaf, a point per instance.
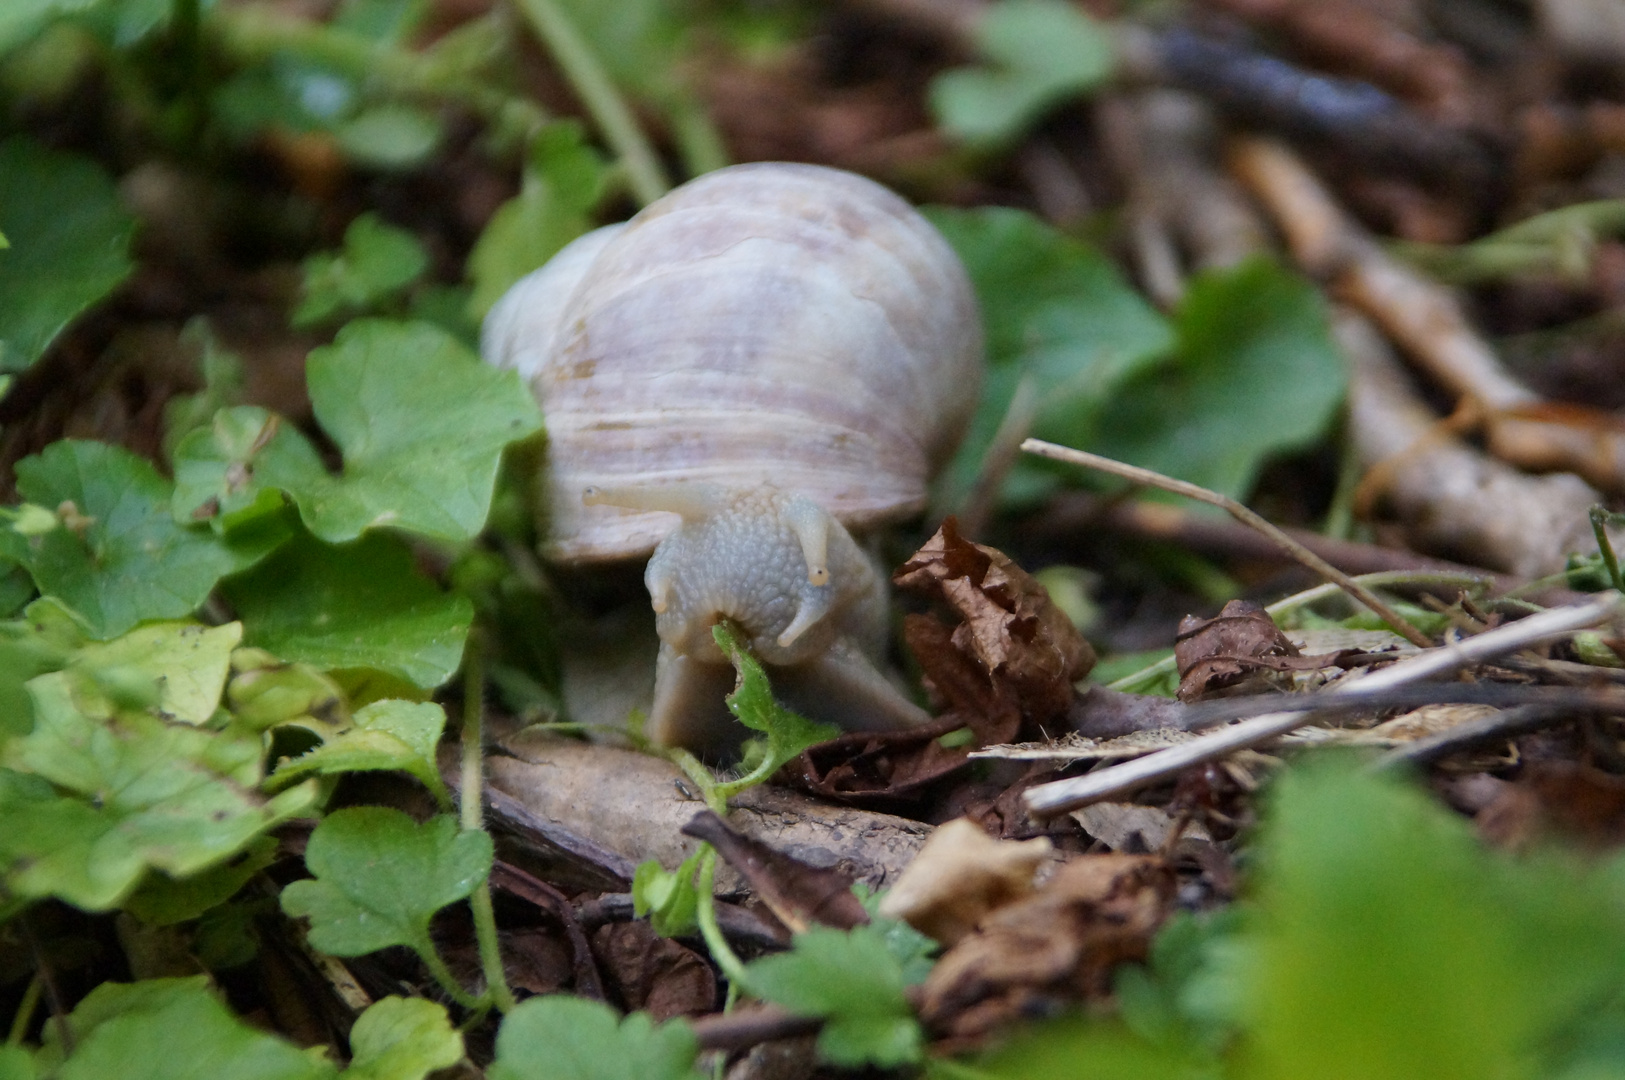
(69, 238)
(390, 137)
(1378, 911)
(1038, 53)
(380, 877)
(563, 181)
(1257, 373)
(670, 899)
(422, 424)
(559, 1037)
(1058, 315)
(124, 559)
(385, 735)
(184, 663)
(378, 260)
(173, 1029)
(143, 792)
(402, 1039)
(852, 980)
(16, 1063)
(223, 386)
(360, 605)
(914, 952)
(267, 692)
(786, 733)
(163, 901)
(1054, 1050)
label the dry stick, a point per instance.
(1241, 514)
(1063, 795)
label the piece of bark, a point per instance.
(798, 894)
(636, 805)
(1452, 498)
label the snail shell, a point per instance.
(770, 340)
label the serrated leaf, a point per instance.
(852, 980)
(1256, 373)
(564, 179)
(377, 261)
(142, 793)
(402, 1039)
(559, 1037)
(384, 735)
(914, 952)
(669, 899)
(1058, 315)
(266, 692)
(69, 238)
(128, 561)
(380, 877)
(359, 605)
(1038, 53)
(161, 900)
(185, 662)
(786, 734)
(422, 424)
(172, 1029)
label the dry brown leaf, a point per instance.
(960, 876)
(1016, 635)
(798, 894)
(1061, 943)
(650, 972)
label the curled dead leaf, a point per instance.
(959, 876)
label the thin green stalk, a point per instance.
(255, 33)
(1600, 520)
(473, 817)
(25, 1010)
(442, 975)
(598, 93)
(706, 916)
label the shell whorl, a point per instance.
(768, 323)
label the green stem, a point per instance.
(473, 818)
(706, 916)
(254, 33)
(442, 975)
(695, 770)
(1600, 518)
(25, 1010)
(597, 92)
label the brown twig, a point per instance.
(744, 1028)
(1061, 796)
(1241, 513)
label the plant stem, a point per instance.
(256, 33)
(442, 975)
(25, 1010)
(706, 916)
(473, 817)
(1401, 625)
(597, 91)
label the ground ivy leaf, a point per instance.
(69, 245)
(358, 605)
(1256, 373)
(669, 898)
(384, 735)
(127, 561)
(149, 793)
(852, 980)
(1058, 315)
(1039, 53)
(380, 877)
(564, 179)
(232, 470)
(559, 1037)
(161, 900)
(185, 662)
(16, 1064)
(376, 262)
(173, 1029)
(787, 733)
(402, 1039)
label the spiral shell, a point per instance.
(768, 323)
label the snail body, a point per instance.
(764, 357)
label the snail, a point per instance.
(767, 356)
